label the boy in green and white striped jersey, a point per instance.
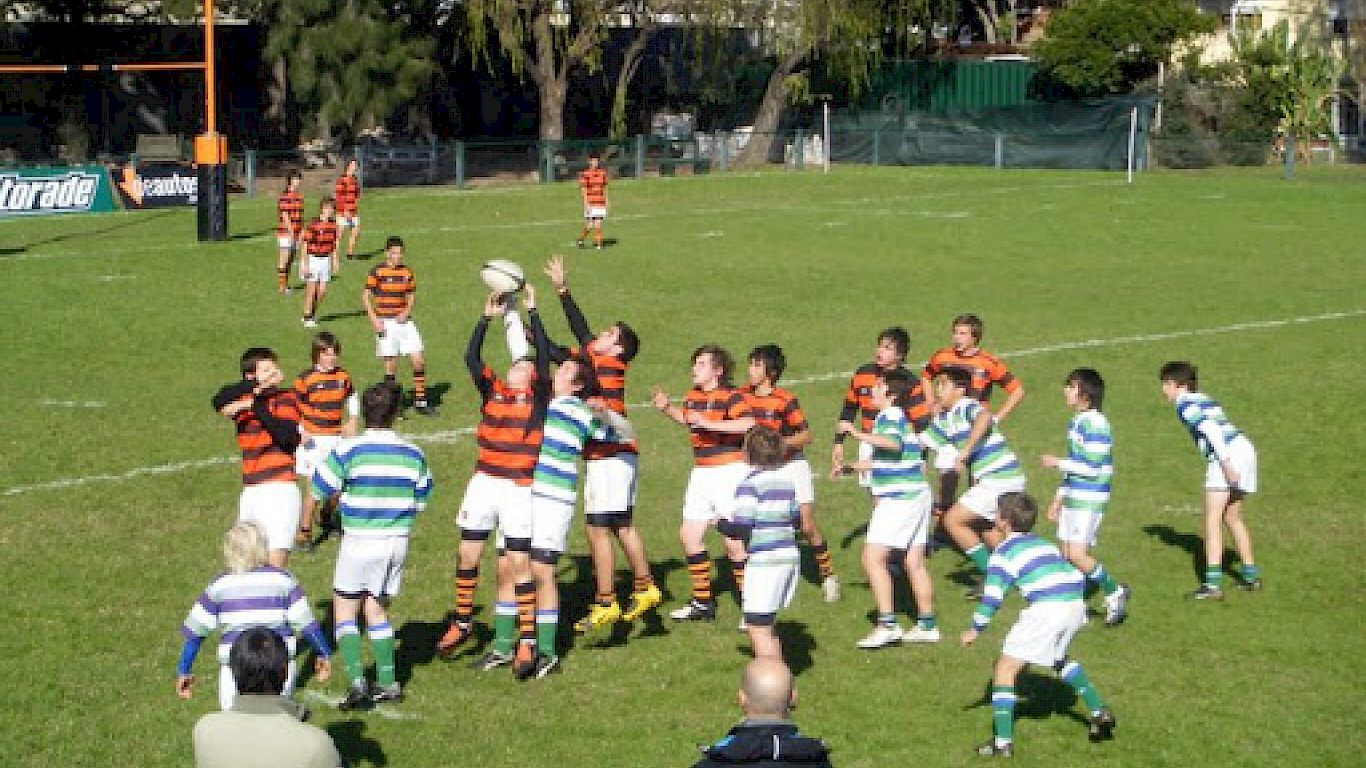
(1079, 505)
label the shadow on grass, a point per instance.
(416, 646)
(577, 593)
(355, 747)
(78, 234)
(340, 315)
(249, 235)
(1192, 543)
(1039, 695)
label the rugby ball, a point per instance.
(502, 276)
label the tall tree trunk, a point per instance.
(770, 110)
(552, 81)
(630, 64)
(986, 13)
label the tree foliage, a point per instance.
(1097, 47)
(1290, 78)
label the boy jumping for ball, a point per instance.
(1079, 505)
(1230, 475)
(1056, 612)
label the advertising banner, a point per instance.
(36, 191)
(158, 185)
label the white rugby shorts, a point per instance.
(276, 506)
(496, 502)
(981, 498)
(598, 212)
(1078, 526)
(367, 563)
(900, 523)
(319, 269)
(1044, 630)
(770, 586)
(348, 221)
(312, 453)
(550, 522)
(398, 339)
(798, 470)
(285, 243)
(1243, 457)
(711, 492)
(609, 484)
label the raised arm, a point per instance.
(578, 324)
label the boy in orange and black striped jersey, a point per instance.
(347, 192)
(593, 185)
(890, 354)
(329, 408)
(609, 494)
(778, 409)
(289, 219)
(388, 299)
(499, 496)
(320, 262)
(717, 417)
(266, 419)
(986, 369)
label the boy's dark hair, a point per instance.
(259, 662)
(1180, 372)
(899, 385)
(972, 321)
(1019, 510)
(899, 338)
(629, 341)
(324, 341)
(253, 356)
(720, 358)
(380, 404)
(292, 175)
(772, 358)
(594, 155)
(327, 202)
(584, 376)
(394, 240)
(1089, 385)
(764, 448)
(960, 377)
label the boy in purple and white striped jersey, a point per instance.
(766, 516)
(250, 594)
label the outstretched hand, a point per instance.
(554, 269)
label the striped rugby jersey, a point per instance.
(610, 371)
(390, 288)
(1036, 567)
(347, 193)
(858, 399)
(383, 481)
(723, 403)
(263, 597)
(593, 182)
(898, 473)
(766, 503)
(323, 396)
(509, 444)
(1209, 427)
(262, 460)
(990, 459)
(1089, 468)
(779, 411)
(291, 205)
(321, 236)
(568, 426)
(986, 369)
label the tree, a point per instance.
(1096, 47)
(544, 39)
(846, 35)
(998, 19)
(1295, 80)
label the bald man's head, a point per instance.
(766, 689)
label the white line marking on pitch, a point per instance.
(71, 403)
(449, 436)
(386, 712)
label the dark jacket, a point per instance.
(766, 744)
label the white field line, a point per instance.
(453, 435)
(71, 403)
(860, 205)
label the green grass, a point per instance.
(127, 312)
